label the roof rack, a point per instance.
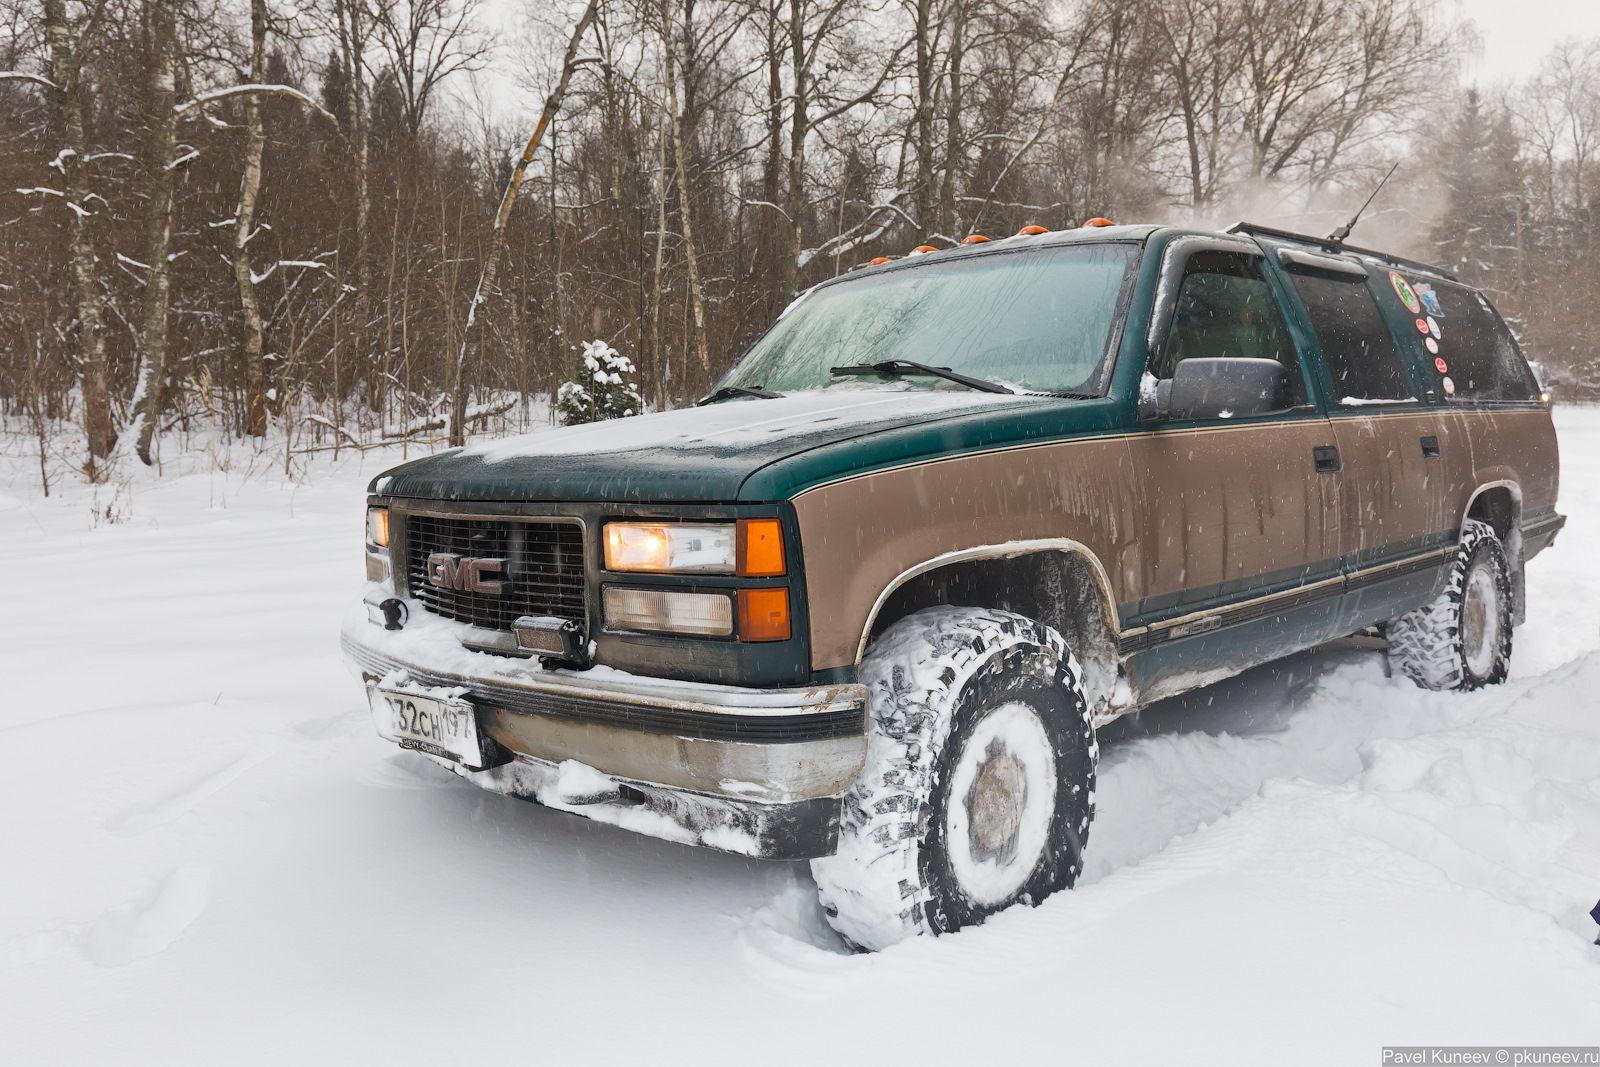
(1328, 244)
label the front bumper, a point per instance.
(755, 771)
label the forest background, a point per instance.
(268, 219)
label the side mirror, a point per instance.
(1553, 383)
(1220, 388)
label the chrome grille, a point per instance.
(543, 573)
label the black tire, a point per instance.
(1462, 638)
(979, 784)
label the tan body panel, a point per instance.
(1164, 511)
(1392, 493)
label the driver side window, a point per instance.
(1226, 309)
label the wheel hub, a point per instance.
(996, 802)
(1480, 621)
(1001, 803)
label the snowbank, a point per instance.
(210, 857)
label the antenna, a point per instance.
(1338, 236)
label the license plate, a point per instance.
(439, 726)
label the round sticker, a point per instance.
(1443, 369)
(1433, 346)
(1422, 325)
(1449, 387)
(1403, 290)
(1433, 326)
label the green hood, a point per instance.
(735, 450)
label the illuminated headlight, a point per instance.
(378, 527)
(668, 611)
(635, 546)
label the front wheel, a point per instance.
(1462, 638)
(979, 784)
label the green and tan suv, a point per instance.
(868, 602)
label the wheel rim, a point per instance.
(1002, 798)
(1480, 621)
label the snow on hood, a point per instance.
(734, 424)
(691, 454)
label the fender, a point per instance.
(1007, 550)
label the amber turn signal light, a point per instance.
(760, 548)
(764, 614)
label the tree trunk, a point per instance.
(97, 424)
(684, 209)
(663, 367)
(952, 149)
(491, 266)
(798, 128)
(147, 397)
(924, 75)
(255, 378)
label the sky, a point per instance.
(1517, 33)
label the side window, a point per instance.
(1356, 342)
(1225, 308)
(1477, 358)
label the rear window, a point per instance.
(1477, 358)
(1356, 343)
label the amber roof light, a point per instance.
(1098, 222)
(1031, 231)
(880, 259)
(974, 239)
(923, 249)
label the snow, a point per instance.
(729, 425)
(210, 857)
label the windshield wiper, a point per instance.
(896, 368)
(728, 391)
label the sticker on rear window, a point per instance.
(1443, 367)
(1403, 289)
(1433, 346)
(1429, 298)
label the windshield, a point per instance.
(1038, 320)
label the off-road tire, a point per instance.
(1431, 644)
(938, 679)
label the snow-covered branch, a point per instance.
(309, 264)
(20, 76)
(214, 95)
(858, 235)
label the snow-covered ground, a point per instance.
(207, 856)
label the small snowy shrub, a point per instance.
(604, 389)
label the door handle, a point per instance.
(1326, 457)
(1430, 447)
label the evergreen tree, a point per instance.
(1478, 234)
(605, 388)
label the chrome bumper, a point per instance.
(756, 771)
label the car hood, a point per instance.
(688, 455)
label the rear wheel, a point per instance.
(979, 784)
(1462, 638)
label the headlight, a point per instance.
(634, 546)
(668, 611)
(751, 549)
(378, 527)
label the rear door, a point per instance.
(1393, 527)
